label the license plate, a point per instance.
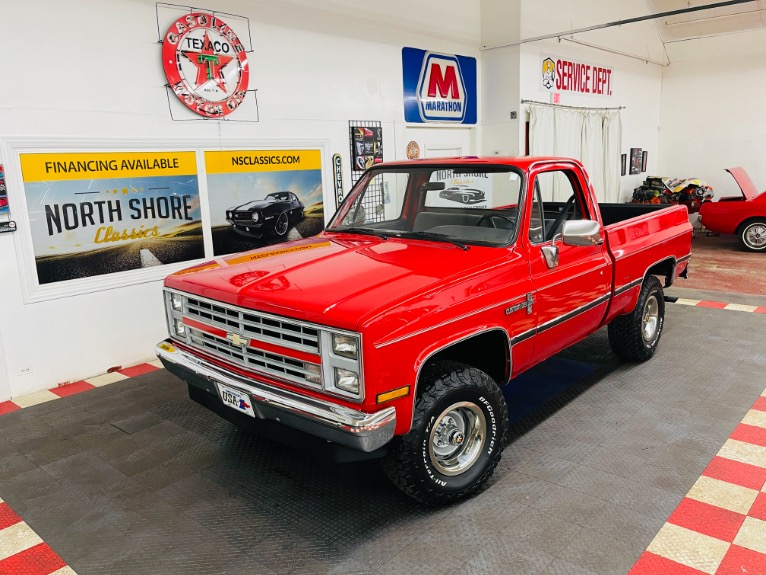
(236, 399)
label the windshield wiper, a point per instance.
(433, 236)
(362, 231)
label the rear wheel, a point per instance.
(635, 336)
(458, 433)
(752, 236)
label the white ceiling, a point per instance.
(713, 22)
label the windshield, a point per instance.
(468, 204)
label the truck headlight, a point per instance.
(176, 301)
(342, 372)
(347, 380)
(345, 345)
(179, 328)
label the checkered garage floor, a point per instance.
(134, 478)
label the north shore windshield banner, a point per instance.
(104, 212)
(263, 197)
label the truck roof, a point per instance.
(523, 162)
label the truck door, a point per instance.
(571, 294)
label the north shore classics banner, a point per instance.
(99, 213)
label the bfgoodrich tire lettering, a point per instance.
(459, 430)
(635, 336)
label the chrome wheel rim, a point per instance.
(651, 319)
(755, 236)
(457, 438)
(281, 225)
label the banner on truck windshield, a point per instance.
(94, 213)
(263, 197)
(558, 74)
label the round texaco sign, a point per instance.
(205, 64)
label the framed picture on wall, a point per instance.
(644, 157)
(623, 164)
(635, 161)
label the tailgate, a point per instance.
(638, 244)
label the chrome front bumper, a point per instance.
(337, 423)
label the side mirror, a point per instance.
(581, 233)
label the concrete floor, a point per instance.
(134, 478)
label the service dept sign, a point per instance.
(205, 64)
(438, 87)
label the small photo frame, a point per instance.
(644, 157)
(623, 164)
(635, 161)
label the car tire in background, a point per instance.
(752, 235)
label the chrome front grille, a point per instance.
(252, 324)
(242, 216)
(257, 327)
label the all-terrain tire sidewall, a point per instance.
(626, 332)
(492, 443)
(408, 463)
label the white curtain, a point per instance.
(592, 136)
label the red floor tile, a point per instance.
(760, 404)
(651, 564)
(758, 510)
(7, 407)
(741, 561)
(7, 516)
(707, 519)
(37, 560)
(72, 388)
(139, 369)
(715, 304)
(743, 474)
(750, 434)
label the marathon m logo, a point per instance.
(438, 87)
(441, 90)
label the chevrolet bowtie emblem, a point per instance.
(237, 339)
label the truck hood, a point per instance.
(744, 182)
(332, 280)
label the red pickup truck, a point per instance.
(392, 332)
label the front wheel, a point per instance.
(635, 336)
(458, 433)
(281, 225)
(752, 236)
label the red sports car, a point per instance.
(744, 216)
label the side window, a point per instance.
(555, 201)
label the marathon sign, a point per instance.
(562, 75)
(439, 87)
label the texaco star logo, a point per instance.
(205, 64)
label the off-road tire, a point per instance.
(411, 463)
(627, 332)
(752, 235)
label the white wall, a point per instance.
(712, 102)
(91, 76)
(637, 88)
(512, 73)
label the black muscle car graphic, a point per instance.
(462, 194)
(273, 214)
